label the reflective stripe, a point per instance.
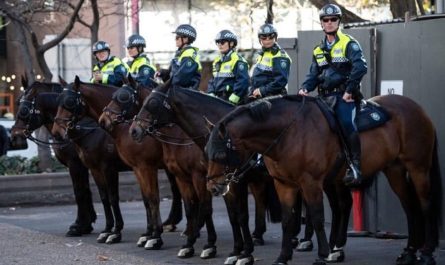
(193, 53)
(227, 67)
(338, 51)
(265, 61)
(108, 68)
(138, 62)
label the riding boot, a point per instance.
(353, 176)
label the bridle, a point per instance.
(127, 99)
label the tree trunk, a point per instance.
(400, 7)
(270, 16)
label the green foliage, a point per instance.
(18, 165)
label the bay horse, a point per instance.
(31, 115)
(300, 151)
(183, 160)
(106, 177)
(190, 109)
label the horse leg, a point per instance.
(233, 204)
(191, 213)
(109, 221)
(205, 212)
(396, 175)
(150, 190)
(175, 215)
(305, 244)
(313, 195)
(86, 215)
(340, 201)
(287, 196)
(142, 175)
(113, 195)
(258, 190)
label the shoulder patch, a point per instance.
(189, 63)
(241, 66)
(283, 64)
(146, 71)
(355, 47)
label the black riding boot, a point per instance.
(353, 176)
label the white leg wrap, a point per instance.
(142, 240)
(111, 238)
(244, 261)
(207, 252)
(102, 236)
(183, 252)
(230, 260)
(150, 243)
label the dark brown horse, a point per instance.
(301, 151)
(190, 109)
(182, 160)
(31, 115)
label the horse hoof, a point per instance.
(258, 241)
(305, 246)
(319, 262)
(186, 252)
(279, 263)
(245, 260)
(114, 238)
(169, 228)
(408, 257)
(154, 244)
(336, 256)
(141, 241)
(103, 237)
(231, 260)
(425, 260)
(74, 231)
(209, 252)
(295, 242)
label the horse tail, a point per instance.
(273, 205)
(436, 190)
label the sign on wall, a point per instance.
(388, 87)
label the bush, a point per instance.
(18, 165)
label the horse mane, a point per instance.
(204, 96)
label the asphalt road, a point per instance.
(35, 235)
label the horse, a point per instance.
(181, 160)
(31, 116)
(189, 109)
(301, 150)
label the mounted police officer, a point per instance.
(337, 68)
(230, 70)
(140, 67)
(109, 69)
(271, 71)
(185, 68)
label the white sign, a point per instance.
(388, 87)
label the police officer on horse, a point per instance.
(337, 68)
(140, 66)
(230, 70)
(109, 69)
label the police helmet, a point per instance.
(330, 10)
(186, 30)
(135, 40)
(101, 46)
(226, 35)
(267, 29)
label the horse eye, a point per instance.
(152, 105)
(69, 103)
(23, 112)
(123, 97)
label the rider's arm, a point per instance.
(146, 76)
(280, 76)
(241, 85)
(186, 69)
(312, 79)
(359, 67)
(119, 73)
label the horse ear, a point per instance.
(24, 82)
(76, 83)
(131, 81)
(62, 81)
(209, 124)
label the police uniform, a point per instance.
(230, 77)
(185, 68)
(337, 69)
(142, 71)
(271, 72)
(113, 71)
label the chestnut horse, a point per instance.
(190, 109)
(301, 150)
(182, 160)
(31, 116)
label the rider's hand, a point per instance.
(256, 93)
(157, 74)
(303, 92)
(98, 76)
(348, 97)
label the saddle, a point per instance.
(371, 115)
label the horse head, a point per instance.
(123, 106)
(71, 108)
(155, 113)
